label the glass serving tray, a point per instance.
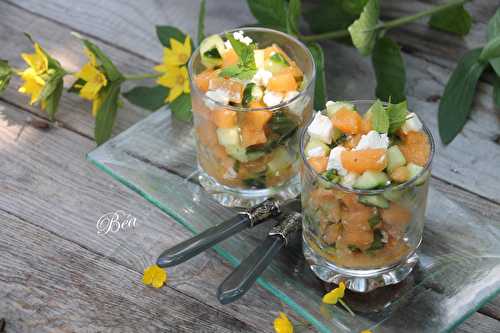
(459, 268)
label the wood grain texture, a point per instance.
(479, 323)
(45, 180)
(426, 75)
(49, 284)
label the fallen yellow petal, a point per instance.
(282, 324)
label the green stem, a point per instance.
(386, 25)
(143, 76)
(344, 304)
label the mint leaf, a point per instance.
(149, 98)
(389, 71)
(5, 74)
(320, 83)
(279, 59)
(271, 13)
(491, 50)
(293, 17)
(201, 22)
(455, 20)
(231, 71)
(380, 118)
(493, 31)
(353, 6)
(165, 32)
(330, 15)
(397, 115)
(363, 32)
(245, 52)
(455, 105)
(181, 107)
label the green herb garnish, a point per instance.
(353, 248)
(374, 221)
(245, 69)
(331, 175)
(279, 59)
(213, 54)
(247, 94)
(397, 115)
(377, 240)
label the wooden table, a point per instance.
(58, 275)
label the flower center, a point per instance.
(182, 57)
(180, 79)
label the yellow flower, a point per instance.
(333, 296)
(177, 79)
(366, 331)
(37, 61)
(155, 276)
(33, 84)
(282, 324)
(177, 55)
(94, 79)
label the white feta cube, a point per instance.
(333, 107)
(219, 95)
(412, 123)
(259, 58)
(290, 95)
(373, 140)
(272, 98)
(246, 40)
(262, 77)
(349, 179)
(228, 45)
(239, 35)
(316, 152)
(335, 161)
(321, 128)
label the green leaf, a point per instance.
(106, 113)
(52, 101)
(389, 71)
(397, 115)
(108, 67)
(455, 105)
(363, 32)
(165, 32)
(271, 13)
(354, 7)
(455, 20)
(201, 22)
(493, 31)
(238, 71)
(245, 52)
(380, 118)
(5, 74)
(52, 83)
(320, 83)
(181, 107)
(149, 98)
(491, 50)
(496, 91)
(293, 17)
(329, 15)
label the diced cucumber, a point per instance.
(415, 170)
(393, 196)
(211, 50)
(395, 158)
(252, 92)
(252, 156)
(314, 146)
(237, 152)
(259, 58)
(336, 134)
(280, 161)
(349, 179)
(374, 201)
(371, 179)
(276, 63)
(333, 107)
(229, 136)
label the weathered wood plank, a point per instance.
(492, 308)
(479, 323)
(49, 284)
(45, 180)
(454, 163)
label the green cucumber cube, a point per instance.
(395, 158)
(371, 179)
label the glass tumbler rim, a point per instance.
(396, 187)
(274, 108)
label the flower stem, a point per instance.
(143, 76)
(344, 304)
(386, 25)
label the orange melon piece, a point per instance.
(351, 202)
(415, 148)
(318, 163)
(400, 174)
(352, 141)
(224, 118)
(356, 229)
(202, 80)
(230, 58)
(282, 82)
(234, 87)
(331, 233)
(348, 121)
(362, 160)
(207, 134)
(252, 136)
(255, 119)
(256, 104)
(366, 125)
(321, 195)
(395, 219)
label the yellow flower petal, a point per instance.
(91, 56)
(148, 275)
(333, 296)
(175, 92)
(95, 80)
(154, 275)
(38, 61)
(33, 84)
(282, 324)
(366, 331)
